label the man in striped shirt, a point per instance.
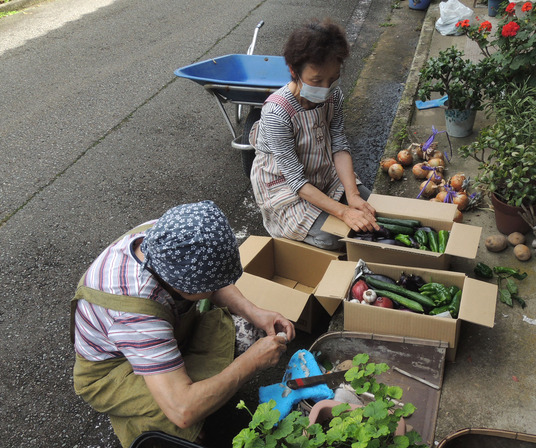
(144, 353)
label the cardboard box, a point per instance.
(282, 275)
(463, 238)
(477, 304)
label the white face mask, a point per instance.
(317, 94)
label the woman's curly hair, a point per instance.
(316, 42)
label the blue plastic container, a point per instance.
(419, 4)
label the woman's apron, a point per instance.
(284, 213)
(206, 342)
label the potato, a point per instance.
(496, 243)
(516, 238)
(522, 252)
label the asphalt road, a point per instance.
(97, 135)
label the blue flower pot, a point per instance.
(419, 4)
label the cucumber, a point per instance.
(415, 296)
(395, 229)
(403, 301)
(399, 222)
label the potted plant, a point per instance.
(462, 80)
(506, 151)
(373, 425)
(509, 50)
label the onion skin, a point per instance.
(418, 170)
(404, 157)
(441, 196)
(386, 163)
(436, 162)
(434, 177)
(461, 200)
(396, 171)
(456, 181)
(430, 189)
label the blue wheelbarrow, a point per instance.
(243, 80)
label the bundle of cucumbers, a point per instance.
(430, 298)
(406, 233)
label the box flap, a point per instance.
(479, 300)
(411, 208)
(251, 247)
(335, 226)
(463, 240)
(334, 285)
(273, 296)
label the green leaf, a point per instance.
(247, 438)
(395, 392)
(511, 286)
(339, 409)
(505, 297)
(376, 410)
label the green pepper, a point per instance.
(453, 290)
(433, 242)
(439, 310)
(454, 306)
(483, 270)
(421, 238)
(443, 238)
(509, 272)
(441, 293)
(403, 239)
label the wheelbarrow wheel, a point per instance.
(248, 155)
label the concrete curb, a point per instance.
(406, 108)
(17, 5)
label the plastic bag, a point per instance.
(451, 12)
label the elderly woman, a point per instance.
(144, 353)
(303, 170)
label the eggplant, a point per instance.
(382, 233)
(426, 229)
(382, 278)
(410, 281)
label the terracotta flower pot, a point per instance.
(321, 412)
(507, 217)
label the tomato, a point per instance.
(383, 302)
(358, 289)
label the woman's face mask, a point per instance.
(317, 94)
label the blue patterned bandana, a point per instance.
(193, 248)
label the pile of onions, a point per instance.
(404, 157)
(385, 164)
(436, 162)
(396, 171)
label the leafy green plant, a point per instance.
(506, 149)
(372, 426)
(461, 79)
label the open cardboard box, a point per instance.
(463, 238)
(477, 304)
(281, 275)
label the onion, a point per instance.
(396, 171)
(457, 181)
(419, 171)
(435, 177)
(436, 162)
(404, 157)
(386, 163)
(419, 152)
(437, 154)
(458, 216)
(461, 200)
(441, 195)
(435, 199)
(429, 190)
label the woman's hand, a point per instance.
(273, 323)
(356, 201)
(266, 352)
(360, 220)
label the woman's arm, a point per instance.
(185, 402)
(269, 321)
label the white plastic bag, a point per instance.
(451, 12)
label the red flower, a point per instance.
(526, 7)
(510, 29)
(510, 8)
(485, 27)
(463, 24)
